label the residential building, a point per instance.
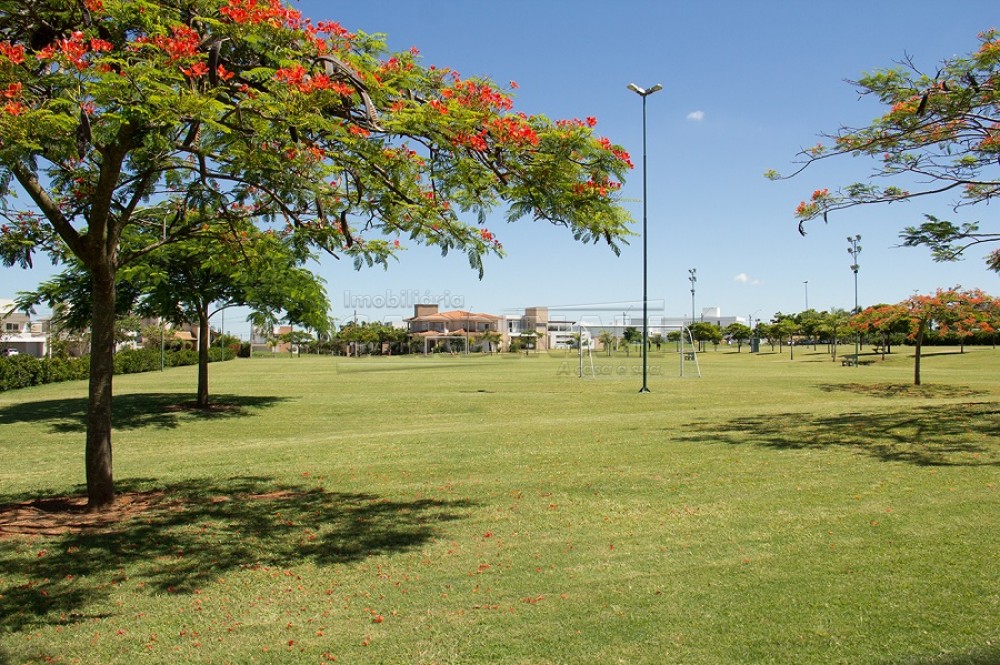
(440, 329)
(19, 333)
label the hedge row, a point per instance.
(23, 370)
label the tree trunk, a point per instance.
(203, 342)
(100, 480)
(916, 357)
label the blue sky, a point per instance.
(746, 86)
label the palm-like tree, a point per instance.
(607, 340)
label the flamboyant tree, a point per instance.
(882, 320)
(948, 310)
(939, 136)
(116, 113)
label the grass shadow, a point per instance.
(193, 533)
(132, 411)
(981, 656)
(893, 390)
(965, 434)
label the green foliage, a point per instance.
(706, 332)
(948, 241)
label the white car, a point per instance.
(11, 352)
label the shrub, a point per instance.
(134, 361)
(19, 371)
(23, 370)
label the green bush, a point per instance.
(23, 370)
(182, 358)
(19, 372)
(67, 369)
(135, 361)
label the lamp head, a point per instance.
(644, 92)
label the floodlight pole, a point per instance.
(645, 301)
(854, 250)
(692, 278)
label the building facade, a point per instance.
(18, 333)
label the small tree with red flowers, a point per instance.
(948, 310)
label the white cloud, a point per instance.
(697, 116)
(744, 278)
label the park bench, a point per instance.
(853, 360)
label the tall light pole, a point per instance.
(645, 300)
(692, 278)
(854, 250)
(806, 283)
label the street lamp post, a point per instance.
(854, 250)
(645, 316)
(692, 278)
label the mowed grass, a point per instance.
(477, 509)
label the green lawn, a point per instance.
(477, 509)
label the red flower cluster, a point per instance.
(13, 52)
(182, 44)
(74, 49)
(478, 96)
(331, 28)
(602, 187)
(576, 122)
(334, 28)
(300, 79)
(195, 71)
(475, 141)
(514, 130)
(806, 209)
(621, 155)
(255, 12)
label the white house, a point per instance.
(19, 333)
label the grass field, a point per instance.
(501, 510)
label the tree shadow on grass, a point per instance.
(191, 534)
(979, 656)
(893, 390)
(965, 434)
(133, 411)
